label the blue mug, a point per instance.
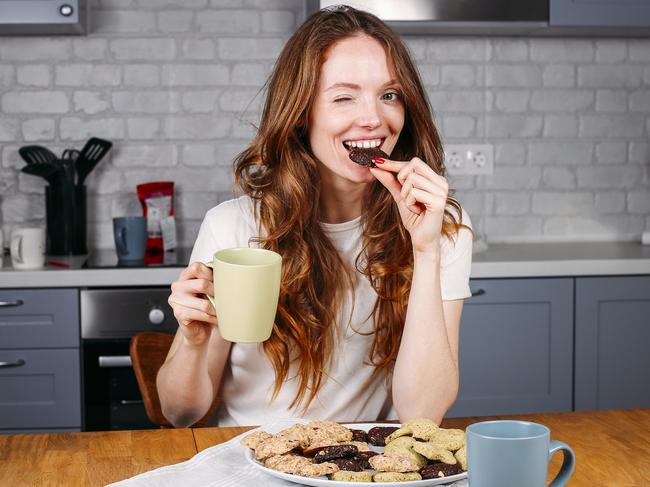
(514, 454)
(130, 234)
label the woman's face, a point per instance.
(358, 103)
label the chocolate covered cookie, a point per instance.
(359, 435)
(348, 464)
(363, 457)
(331, 452)
(437, 470)
(377, 435)
(365, 157)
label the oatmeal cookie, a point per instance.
(326, 433)
(317, 469)
(461, 456)
(432, 452)
(275, 446)
(253, 440)
(394, 462)
(396, 477)
(286, 463)
(342, 476)
(449, 439)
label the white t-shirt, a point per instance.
(249, 377)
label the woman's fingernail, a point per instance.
(378, 160)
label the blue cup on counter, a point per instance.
(130, 234)
(514, 454)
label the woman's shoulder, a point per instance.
(233, 213)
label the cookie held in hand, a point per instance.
(365, 157)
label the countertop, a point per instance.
(498, 261)
(611, 448)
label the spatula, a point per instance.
(36, 154)
(94, 150)
(46, 170)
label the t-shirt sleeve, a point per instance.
(228, 225)
(456, 263)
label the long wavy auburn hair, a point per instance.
(280, 173)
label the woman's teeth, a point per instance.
(365, 144)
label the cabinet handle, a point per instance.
(9, 304)
(478, 292)
(113, 361)
(17, 363)
(131, 402)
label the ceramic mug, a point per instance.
(27, 248)
(246, 292)
(514, 454)
(130, 234)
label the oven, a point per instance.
(109, 318)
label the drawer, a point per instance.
(39, 318)
(41, 391)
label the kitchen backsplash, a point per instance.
(175, 85)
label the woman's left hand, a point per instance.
(421, 197)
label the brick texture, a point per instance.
(175, 85)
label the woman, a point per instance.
(375, 260)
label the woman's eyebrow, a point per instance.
(356, 87)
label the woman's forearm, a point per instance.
(184, 385)
(425, 378)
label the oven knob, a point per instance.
(156, 316)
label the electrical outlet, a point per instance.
(469, 158)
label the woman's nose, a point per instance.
(369, 115)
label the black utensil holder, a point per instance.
(65, 215)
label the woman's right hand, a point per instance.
(194, 312)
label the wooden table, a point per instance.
(612, 449)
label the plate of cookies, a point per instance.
(416, 453)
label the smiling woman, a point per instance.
(376, 260)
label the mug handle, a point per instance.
(210, 298)
(121, 242)
(16, 248)
(568, 464)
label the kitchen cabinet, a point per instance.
(516, 347)
(599, 13)
(612, 356)
(39, 360)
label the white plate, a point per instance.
(324, 482)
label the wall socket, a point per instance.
(469, 158)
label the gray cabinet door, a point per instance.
(516, 347)
(600, 13)
(40, 390)
(612, 342)
(39, 318)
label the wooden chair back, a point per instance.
(148, 351)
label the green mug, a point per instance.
(246, 292)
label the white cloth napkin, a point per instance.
(222, 465)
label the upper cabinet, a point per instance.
(600, 13)
(43, 17)
(587, 18)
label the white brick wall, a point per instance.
(174, 84)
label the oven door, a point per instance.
(111, 396)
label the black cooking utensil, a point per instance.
(68, 163)
(47, 171)
(36, 154)
(93, 152)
